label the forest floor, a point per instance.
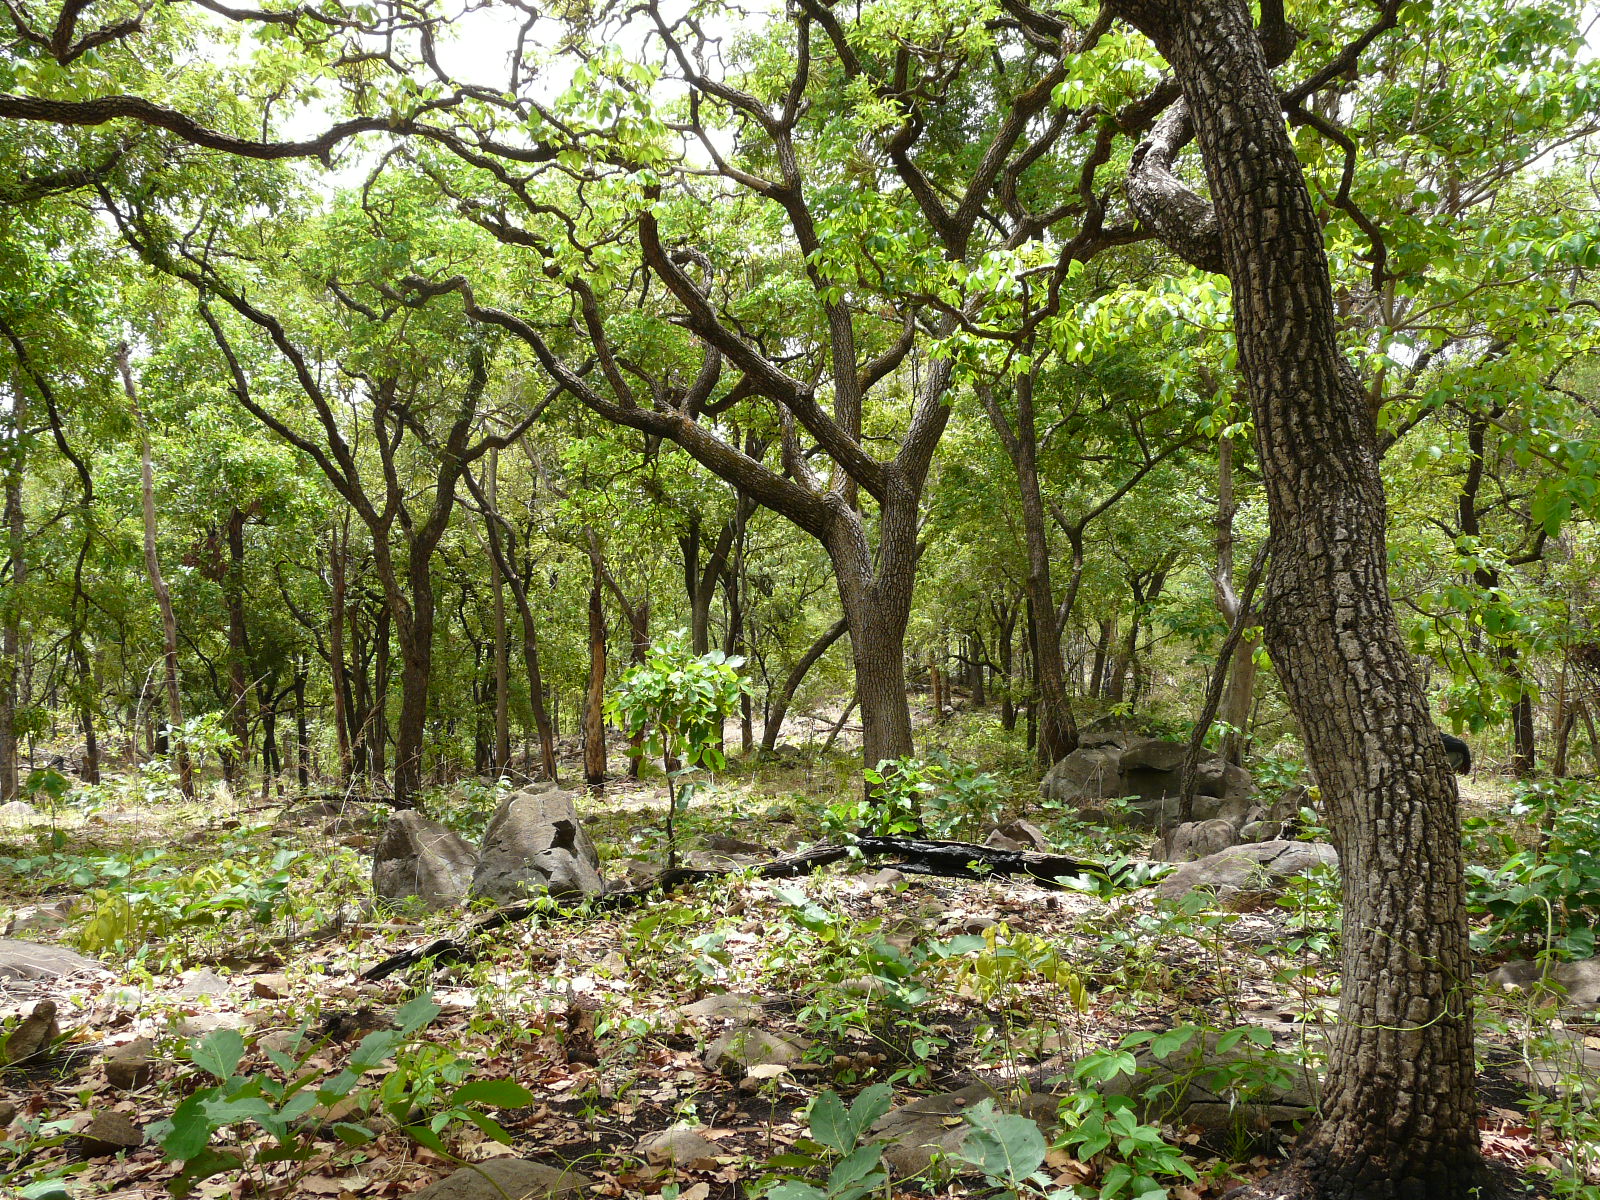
(234, 917)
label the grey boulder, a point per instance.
(40, 960)
(1200, 839)
(1577, 983)
(420, 858)
(535, 844)
(1249, 876)
(1147, 771)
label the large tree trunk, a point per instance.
(416, 670)
(158, 584)
(1399, 1109)
(876, 596)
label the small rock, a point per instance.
(535, 844)
(746, 1046)
(201, 1024)
(678, 1147)
(1021, 835)
(110, 1132)
(202, 984)
(1578, 983)
(8, 1113)
(40, 918)
(732, 1006)
(1247, 875)
(33, 1035)
(269, 987)
(130, 1066)
(1200, 839)
(514, 1177)
(19, 813)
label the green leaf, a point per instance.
(500, 1093)
(219, 1053)
(1006, 1147)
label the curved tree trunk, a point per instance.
(1400, 1110)
(779, 707)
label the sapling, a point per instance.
(677, 701)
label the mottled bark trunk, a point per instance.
(1399, 1109)
(875, 593)
(415, 636)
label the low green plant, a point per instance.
(853, 1169)
(423, 1093)
(170, 898)
(1132, 1157)
(932, 796)
(1544, 898)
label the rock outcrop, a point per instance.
(1250, 876)
(1146, 771)
(420, 858)
(535, 843)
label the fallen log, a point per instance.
(919, 856)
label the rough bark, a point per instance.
(336, 666)
(502, 681)
(1399, 1110)
(238, 647)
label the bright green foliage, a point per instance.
(1544, 899)
(289, 1103)
(678, 701)
(854, 1170)
(1006, 1147)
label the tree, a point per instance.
(1329, 622)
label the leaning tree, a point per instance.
(1400, 1110)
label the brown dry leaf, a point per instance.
(698, 1192)
(323, 1185)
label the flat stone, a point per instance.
(40, 960)
(679, 1146)
(32, 1035)
(747, 1046)
(40, 918)
(203, 984)
(733, 1006)
(1247, 876)
(109, 1132)
(516, 1178)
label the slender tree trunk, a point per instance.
(502, 650)
(594, 721)
(378, 716)
(1102, 651)
(1057, 724)
(1006, 633)
(779, 705)
(152, 563)
(416, 672)
(238, 648)
(336, 667)
(302, 733)
(11, 638)
(1400, 1108)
